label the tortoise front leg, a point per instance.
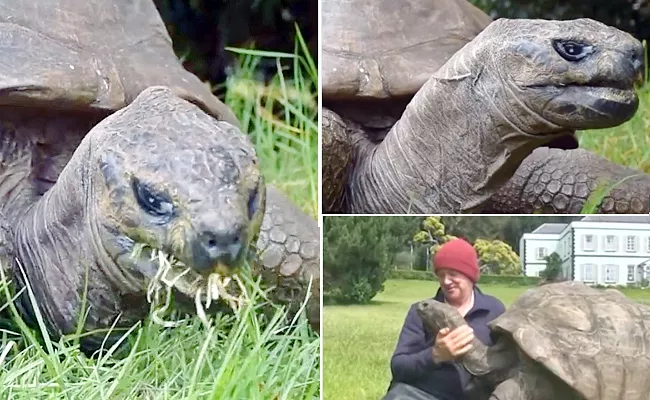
(289, 252)
(560, 181)
(509, 390)
(337, 161)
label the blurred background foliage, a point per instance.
(202, 29)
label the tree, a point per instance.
(358, 252)
(506, 228)
(432, 235)
(553, 270)
(497, 257)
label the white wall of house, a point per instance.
(566, 251)
(539, 245)
(611, 253)
(609, 270)
(606, 253)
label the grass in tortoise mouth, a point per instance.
(174, 273)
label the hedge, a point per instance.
(510, 280)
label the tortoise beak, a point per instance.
(216, 252)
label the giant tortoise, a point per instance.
(430, 107)
(107, 143)
(557, 341)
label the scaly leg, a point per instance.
(289, 248)
(558, 181)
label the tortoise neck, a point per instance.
(49, 248)
(449, 152)
(488, 366)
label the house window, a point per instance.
(631, 273)
(589, 243)
(541, 253)
(611, 273)
(647, 249)
(588, 272)
(630, 243)
(611, 244)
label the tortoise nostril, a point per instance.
(213, 247)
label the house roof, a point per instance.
(550, 228)
(634, 219)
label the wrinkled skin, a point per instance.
(557, 341)
(519, 85)
(68, 202)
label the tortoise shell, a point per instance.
(384, 48)
(597, 341)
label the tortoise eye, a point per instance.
(572, 50)
(154, 203)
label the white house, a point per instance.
(598, 249)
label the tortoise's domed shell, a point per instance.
(384, 48)
(597, 341)
(77, 54)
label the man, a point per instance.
(423, 366)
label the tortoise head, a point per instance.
(171, 177)
(549, 76)
(436, 315)
(487, 365)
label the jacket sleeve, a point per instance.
(413, 357)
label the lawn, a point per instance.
(359, 340)
(239, 357)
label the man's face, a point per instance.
(456, 286)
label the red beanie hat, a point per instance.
(458, 255)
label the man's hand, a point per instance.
(452, 344)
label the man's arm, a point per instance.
(413, 357)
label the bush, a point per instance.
(506, 280)
(553, 270)
(357, 255)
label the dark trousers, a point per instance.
(402, 391)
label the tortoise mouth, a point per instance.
(173, 274)
(153, 270)
(587, 106)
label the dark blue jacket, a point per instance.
(412, 361)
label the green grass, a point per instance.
(627, 145)
(240, 357)
(358, 341)
(282, 118)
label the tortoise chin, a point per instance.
(590, 107)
